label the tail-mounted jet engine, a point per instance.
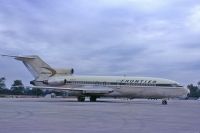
(64, 71)
(55, 82)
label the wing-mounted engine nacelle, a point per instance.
(65, 71)
(55, 82)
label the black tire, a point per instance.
(93, 99)
(81, 99)
(164, 102)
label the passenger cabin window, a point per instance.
(169, 85)
(121, 84)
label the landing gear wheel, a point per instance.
(164, 102)
(93, 99)
(81, 99)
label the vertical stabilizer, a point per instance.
(37, 67)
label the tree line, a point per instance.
(194, 90)
(18, 89)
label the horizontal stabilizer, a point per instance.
(19, 57)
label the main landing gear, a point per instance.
(81, 98)
(164, 102)
(93, 99)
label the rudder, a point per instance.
(38, 68)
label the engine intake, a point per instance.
(65, 71)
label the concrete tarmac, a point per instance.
(41, 115)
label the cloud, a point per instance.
(194, 19)
(103, 37)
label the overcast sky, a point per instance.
(156, 38)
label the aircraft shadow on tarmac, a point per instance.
(118, 101)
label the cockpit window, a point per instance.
(176, 85)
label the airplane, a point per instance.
(95, 87)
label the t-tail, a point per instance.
(39, 69)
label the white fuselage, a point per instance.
(47, 77)
(131, 87)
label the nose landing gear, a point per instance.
(164, 102)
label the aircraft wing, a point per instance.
(83, 90)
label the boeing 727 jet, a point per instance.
(95, 87)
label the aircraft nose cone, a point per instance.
(186, 92)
